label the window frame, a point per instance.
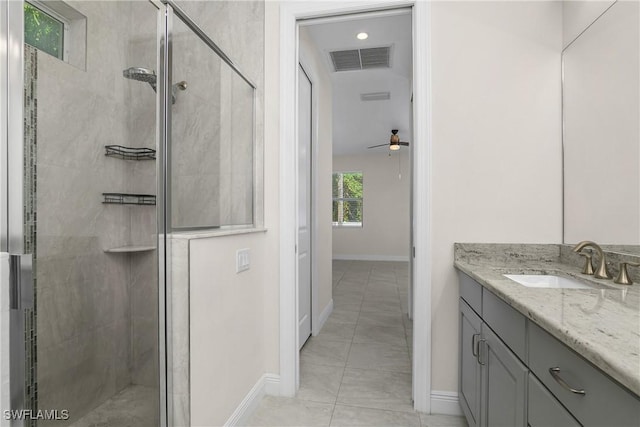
(337, 224)
(66, 26)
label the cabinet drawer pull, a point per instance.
(479, 348)
(555, 373)
(474, 345)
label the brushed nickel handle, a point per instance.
(474, 345)
(555, 373)
(479, 356)
(623, 275)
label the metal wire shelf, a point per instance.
(129, 199)
(130, 153)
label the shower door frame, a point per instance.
(12, 201)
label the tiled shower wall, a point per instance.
(96, 311)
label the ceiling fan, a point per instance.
(394, 142)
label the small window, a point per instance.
(56, 28)
(44, 31)
(347, 199)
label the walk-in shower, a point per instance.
(149, 76)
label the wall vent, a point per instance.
(361, 59)
(375, 96)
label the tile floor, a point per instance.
(135, 406)
(357, 371)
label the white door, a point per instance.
(304, 207)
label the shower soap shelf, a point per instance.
(130, 249)
(129, 199)
(130, 153)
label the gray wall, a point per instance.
(96, 312)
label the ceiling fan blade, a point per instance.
(381, 145)
(404, 143)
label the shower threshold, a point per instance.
(135, 406)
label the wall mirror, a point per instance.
(601, 131)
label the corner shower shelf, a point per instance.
(129, 199)
(130, 249)
(130, 153)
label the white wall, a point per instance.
(578, 15)
(601, 130)
(385, 231)
(234, 317)
(496, 166)
(322, 94)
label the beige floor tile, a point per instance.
(344, 315)
(442, 421)
(335, 330)
(284, 412)
(379, 357)
(321, 351)
(371, 388)
(349, 416)
(319, 383)
(380, 334)
(381, 318)
(390, 306)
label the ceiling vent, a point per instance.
(375, 96)
(361, 59)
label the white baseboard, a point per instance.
(267, 384)
(445, 403)
(271, 384)
(404, 258)
(324, 315)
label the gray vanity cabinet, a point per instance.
(504, 383)
(492, 379)
(470, 332)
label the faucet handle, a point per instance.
(588, 265)
(623, 275)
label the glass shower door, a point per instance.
(81, 191)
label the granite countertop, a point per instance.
(602, 325)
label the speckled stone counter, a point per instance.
(602, 324)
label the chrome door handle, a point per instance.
(555, 373)
(20, 282)
(474, 345)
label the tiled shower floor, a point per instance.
(357, 371)
(135, 406)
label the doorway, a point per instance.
(289, 361)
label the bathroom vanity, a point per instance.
(532, 356)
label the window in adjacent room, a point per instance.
(347, 199)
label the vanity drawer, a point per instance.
(544, 409)
(604, 402)
(506, 322)
(471, 292)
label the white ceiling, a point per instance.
(358, 124)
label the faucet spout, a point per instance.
(601, 272)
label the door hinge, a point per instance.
(414, 251)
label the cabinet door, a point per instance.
(544, 410)
(470, 330)
(504, 384)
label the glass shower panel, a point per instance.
(91, 223)
(212, 138)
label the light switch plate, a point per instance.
(243, 260)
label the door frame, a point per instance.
(290, 13)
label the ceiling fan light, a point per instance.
(394, 147)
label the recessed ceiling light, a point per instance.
(362, 36)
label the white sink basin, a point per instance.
(546, 281)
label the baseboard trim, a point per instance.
(271, 384)
(267, 384)
(324, 316)
(371, 257)
(445, 403)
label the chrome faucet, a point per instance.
(601, 272)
